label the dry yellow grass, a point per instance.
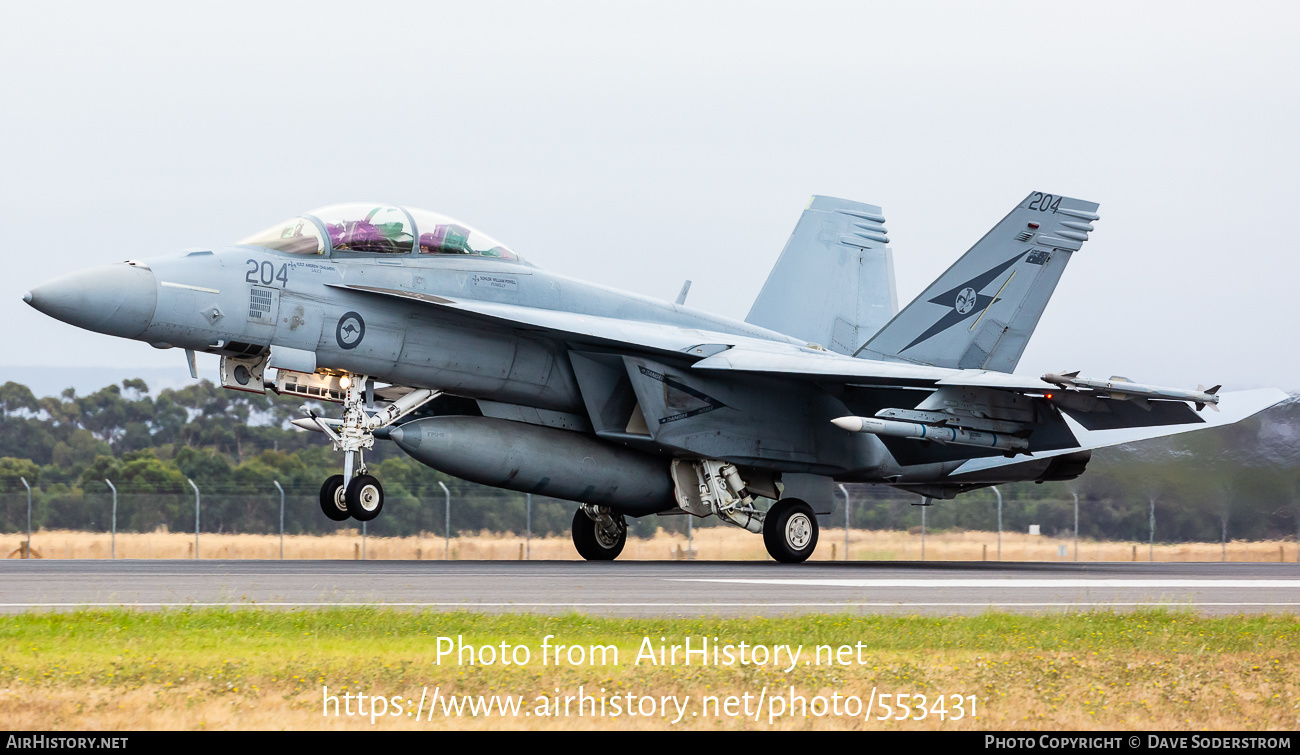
(711, 544)
(1088, 700)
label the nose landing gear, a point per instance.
(356, 493)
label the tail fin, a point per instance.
(982, 311)
(834, 282)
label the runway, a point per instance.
(654, 589)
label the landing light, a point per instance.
(345, 382)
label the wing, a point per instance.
(1094, 431)
(1036, 418)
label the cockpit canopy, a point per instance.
(359, 228)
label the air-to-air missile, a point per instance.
(958, 436)
(1123, 388)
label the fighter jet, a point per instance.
(438, 338)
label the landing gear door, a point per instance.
(243, 374)
(686, 488)
(815, 490)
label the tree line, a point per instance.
(1242, 481)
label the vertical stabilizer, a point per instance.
(834, 282)
(981, 312)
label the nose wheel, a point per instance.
(364, 498)
(332, 500)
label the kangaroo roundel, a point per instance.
(351, 329)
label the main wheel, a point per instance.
(790, 531)
(592, 541)
(332, 501)
(365, 498)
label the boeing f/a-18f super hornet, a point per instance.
(436, 337)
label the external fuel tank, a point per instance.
(542, 460)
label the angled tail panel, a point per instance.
(834, 282)
(982, 311)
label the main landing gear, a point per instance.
(598, 533)
(790, 531)
(709, 487)
(356, 493)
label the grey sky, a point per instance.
(639, 146)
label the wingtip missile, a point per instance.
(1121, 388)
(1062, 379)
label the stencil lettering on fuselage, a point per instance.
(496, 283)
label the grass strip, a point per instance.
(253, 668)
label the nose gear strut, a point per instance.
(355, 491)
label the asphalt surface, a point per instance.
(655, 589)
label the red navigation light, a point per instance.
(1033, 225)
(1049, 397)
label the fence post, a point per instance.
(847, 501)
(999, 494)
(1076, 525)
(196, 517)
(446, 529)
(28, 553)
(1151, 544)
(277, 487)
(925, 504)
(113, 540)
(363, 541)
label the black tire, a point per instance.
(365, 498)
(790, 531)
(591, 541)
(332, 501)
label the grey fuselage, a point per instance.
(240, 300)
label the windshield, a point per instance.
(379, 229)
(368, 228)
(295, 236)
(440, 234)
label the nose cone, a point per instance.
(118, 300)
